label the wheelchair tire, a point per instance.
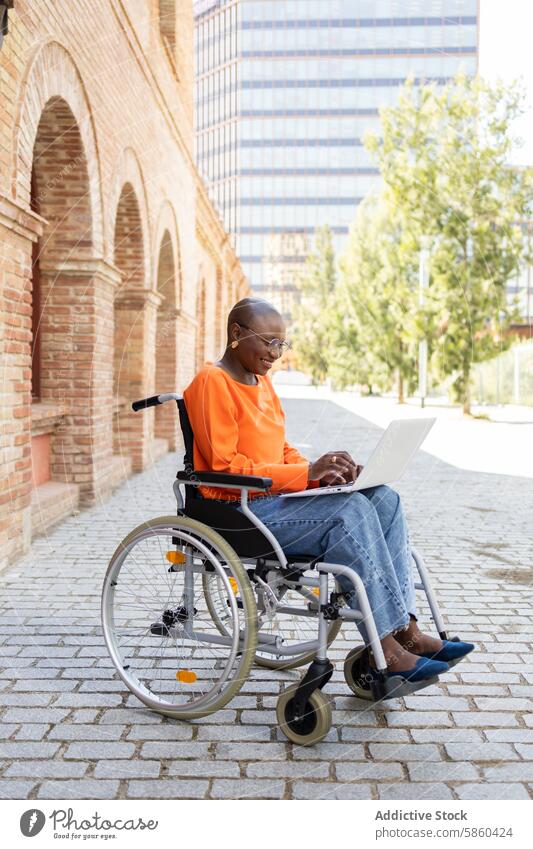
(149, 655)
(356, 673)
(315, 723)
(216, 604)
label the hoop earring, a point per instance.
(235, 344)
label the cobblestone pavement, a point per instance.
(70, 728)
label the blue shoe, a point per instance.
(451, 650)
(422, 669)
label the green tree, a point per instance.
(376, 296)
(313, 319)
(443, 153)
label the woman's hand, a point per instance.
(335, 467)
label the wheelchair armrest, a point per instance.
(225, 480)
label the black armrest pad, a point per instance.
(223, 479)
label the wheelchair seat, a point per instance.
(223, 516)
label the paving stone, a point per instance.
(246, 788)
(287, 769)
(25, 699)
(249, 751)
(404, 790)
(330, 790)
(405, 751)
(86, 788)
(172, 750)
(85, 715)
(261, 733)
(204, 769)
(491, 791)
(525, 750)
(330, 752)
(368, 771)
(33, 731)
(377, 735)
(21, 749)
(133, 716)
(95, 751)
(83, 700)
(52, 715)
(481, 752)
(46, 769)
(410, 719)
(509, 735)
(127, 769)
(520, 771)
(7, 730)
(442, 771)
(470, 736)
(86, 732)
(45, 685)
(501, 720)
(12, 789)
(167, 788)
(169, 731)
(421, 702)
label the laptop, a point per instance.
(388, 461)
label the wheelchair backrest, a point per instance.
(188, 437)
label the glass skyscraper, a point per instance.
(285, 91)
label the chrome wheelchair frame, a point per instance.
(247, 583)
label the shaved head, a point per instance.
(247, 309)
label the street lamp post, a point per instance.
(423, 282)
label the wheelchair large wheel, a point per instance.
(157, 627)
(356, 673)
(314, 724)
(289, 626)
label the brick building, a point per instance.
(115, 271)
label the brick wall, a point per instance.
(97, 112)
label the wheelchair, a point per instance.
(190, 602)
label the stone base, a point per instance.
(158, 449)
(117, 471)
(50, 503)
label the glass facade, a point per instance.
(285, 92)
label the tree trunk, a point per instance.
(467, 400)
(401, 396)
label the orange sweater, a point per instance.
(240, 429)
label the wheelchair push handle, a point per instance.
(154, 401)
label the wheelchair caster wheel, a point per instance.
(356, 673)
(313, 725)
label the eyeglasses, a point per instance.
(272, 344)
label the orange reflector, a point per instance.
(175, 557)
(315, 591)
(186, 675)
(234, 586)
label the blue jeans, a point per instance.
(365, 530)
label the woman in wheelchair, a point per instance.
(241, 575)
(238, 426)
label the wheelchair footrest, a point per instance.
(395, 687)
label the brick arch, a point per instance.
(167, 335)
(61, 191)
(51, 75)
(201, 319)
(128, 243)
(167, 235)
(128, 175)
(135, 322)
